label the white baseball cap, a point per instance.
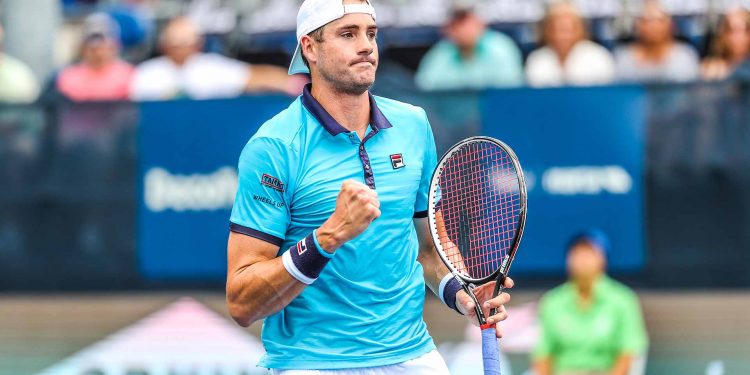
(316, 13)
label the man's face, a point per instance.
(348, 55)
(564, 30)
(465, 31)
(99, 52)
(654, 26)
(180, 41)
(585, 262)
(179, 50)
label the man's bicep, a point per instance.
(424, 235)
(243, 251)
(434, 269)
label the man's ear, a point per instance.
(309, 49)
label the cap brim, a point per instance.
(298, 65)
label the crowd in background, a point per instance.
(111, 63)
(474, 56)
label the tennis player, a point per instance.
(329, 241)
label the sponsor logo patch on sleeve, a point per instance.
(272, 182)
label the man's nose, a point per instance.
(365, 45)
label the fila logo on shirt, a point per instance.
(301, 247)
(397, 161)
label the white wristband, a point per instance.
(286, 259)
(443, 282)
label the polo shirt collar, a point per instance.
(601, 288)
(377, 119)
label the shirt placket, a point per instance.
(364, 157)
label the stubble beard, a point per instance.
(349, 86)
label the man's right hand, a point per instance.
(356, 207)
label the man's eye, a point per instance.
(347, 35)
(372, 35)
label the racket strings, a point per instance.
(479, 203)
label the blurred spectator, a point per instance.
(730, 47)
(592, 324)
(568, 57)
(656, 56)
(17, 81)
(184, 71)
(100, 74)
(471, 57)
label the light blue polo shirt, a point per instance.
(365, 309)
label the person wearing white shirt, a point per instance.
(568, 57)
(184, 71)
(656, 56)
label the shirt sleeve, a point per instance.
(261, 205)
(215, 76)
(633, 338)
(428, 166)
(151, 81)
(510, 70)
(687, 65)
(436, 72)
(545, 346)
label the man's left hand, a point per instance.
(484, 293)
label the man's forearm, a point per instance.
(434, 269)
(260, 290)
(543, 366)
(432, 265)
(622, 365)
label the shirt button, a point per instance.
(367, 167)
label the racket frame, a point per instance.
(467, 282)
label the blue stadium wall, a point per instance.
(132, 196)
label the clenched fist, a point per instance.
(356, 207)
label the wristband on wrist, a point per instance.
(449, 286)
(305, 260)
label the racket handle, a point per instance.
(490, 351)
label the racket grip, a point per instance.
(490, 351)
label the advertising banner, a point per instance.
(582, 151)
(188, 178)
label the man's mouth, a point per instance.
(371, 62)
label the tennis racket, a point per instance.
(477, 213)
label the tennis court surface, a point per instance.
(690, 333)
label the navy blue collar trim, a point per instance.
(377, 119)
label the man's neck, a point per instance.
(351, 111)
(656, 51)
(467, 52)
(585, 287)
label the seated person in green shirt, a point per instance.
(471, 57)
(591, 325)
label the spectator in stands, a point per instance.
(100, 74)
(730, 47)
(17, 82)
(592, 324)
(184, 71)
(568, 57)
(471, 57)
(656, 56)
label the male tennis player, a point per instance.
(329, 239)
